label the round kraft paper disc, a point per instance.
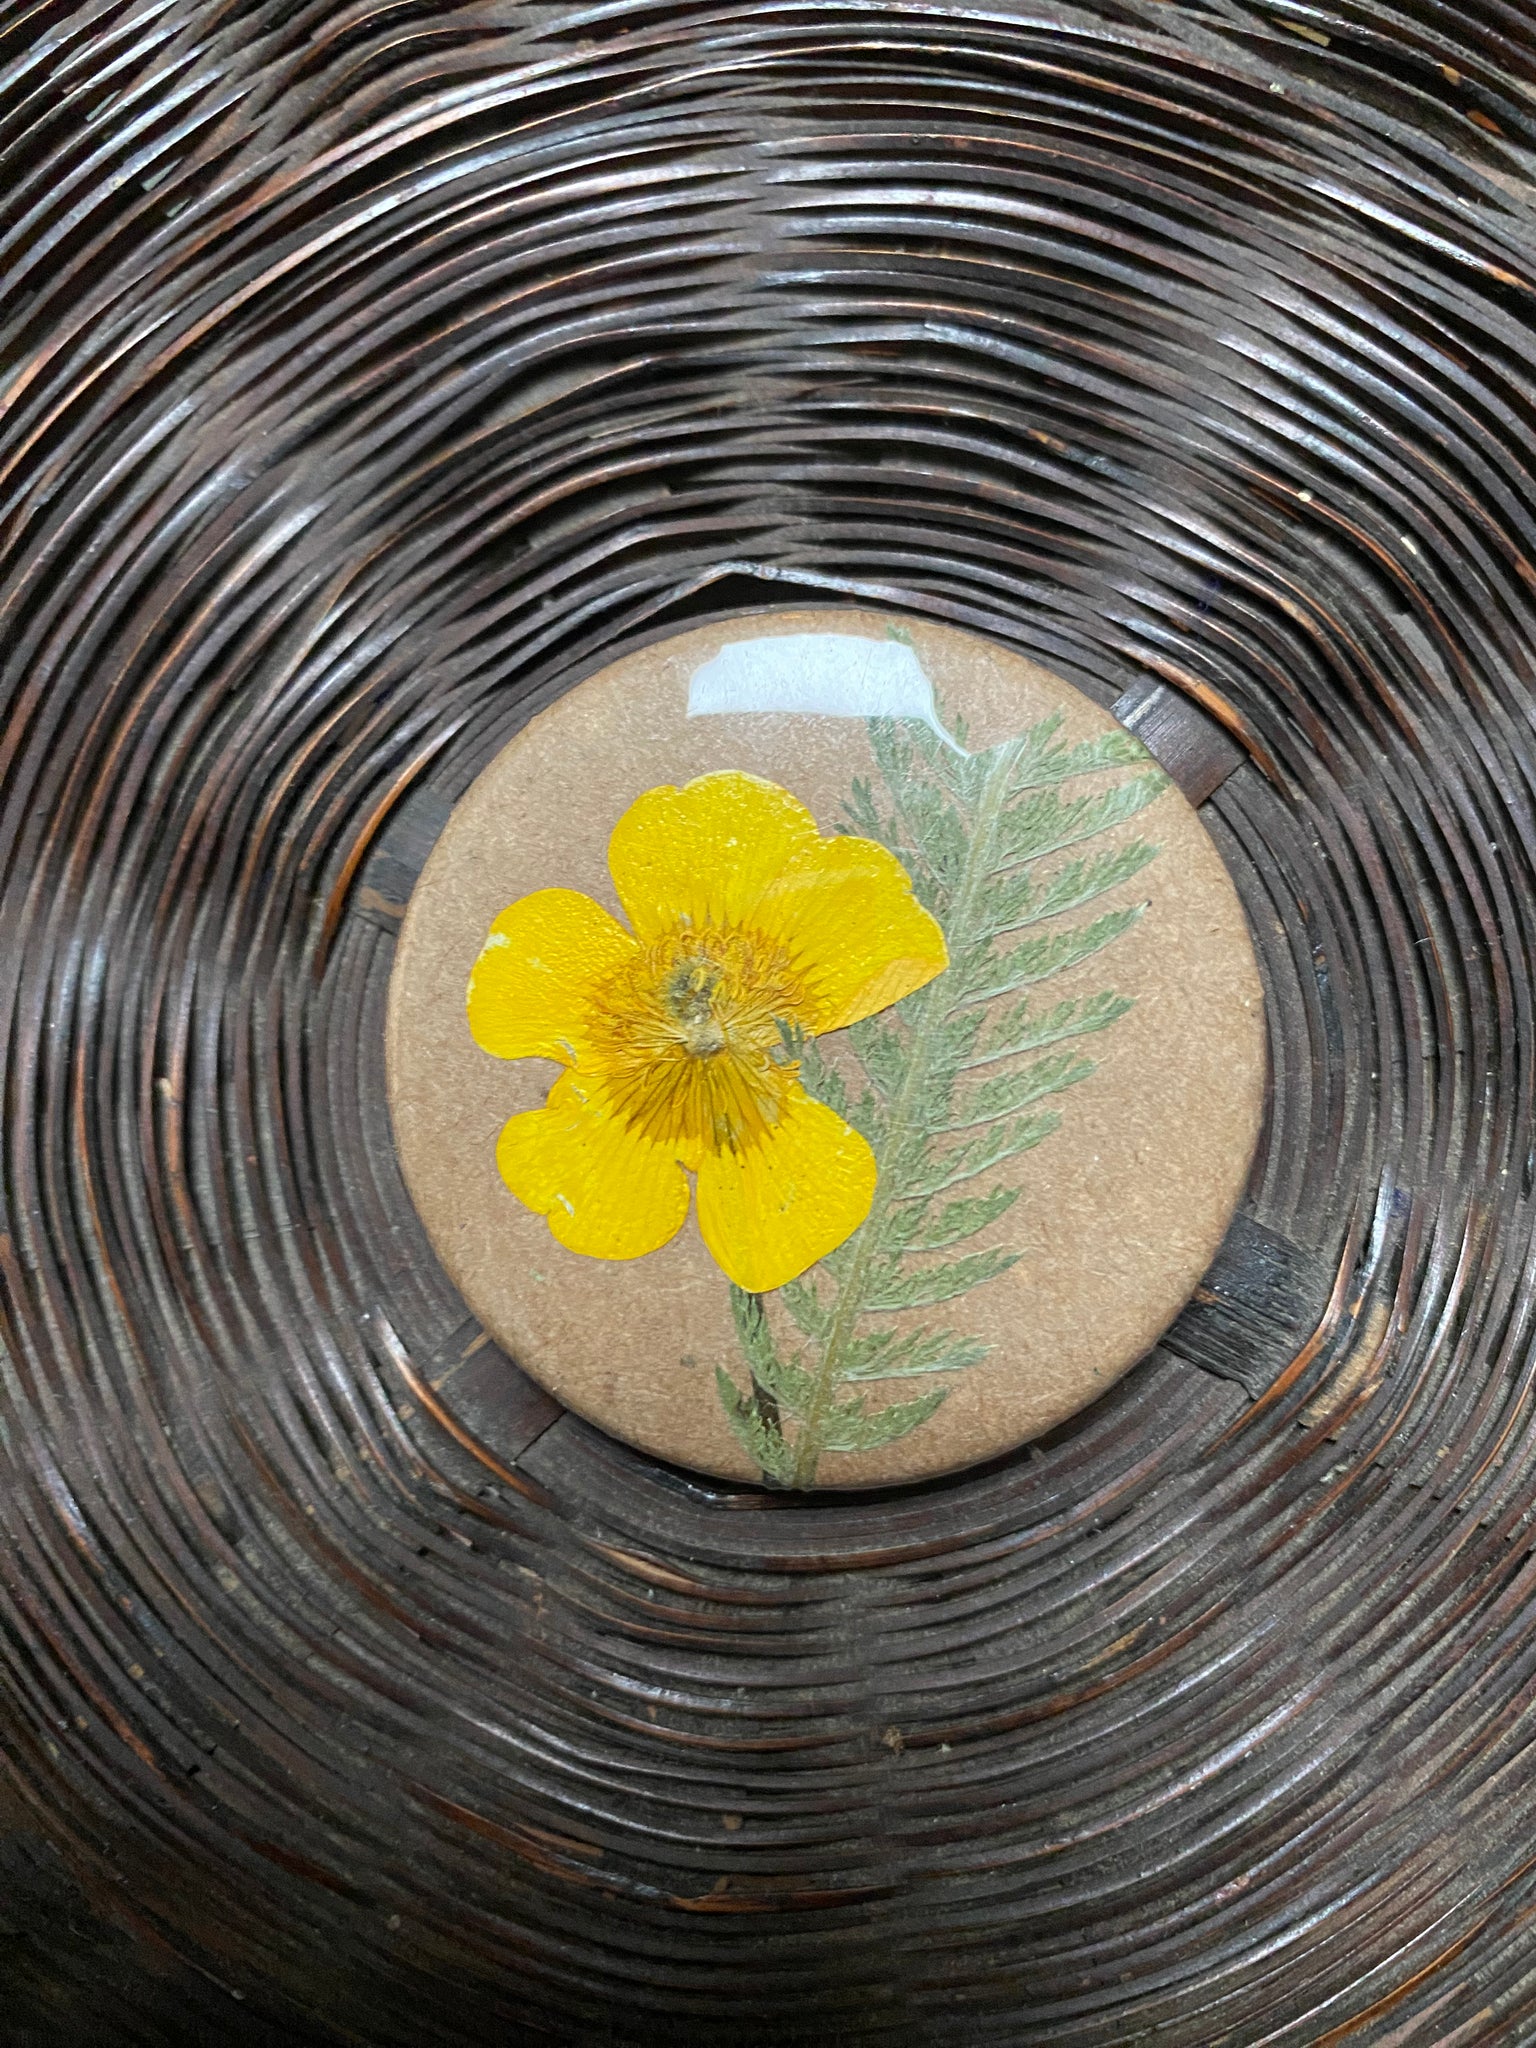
(825, 1049)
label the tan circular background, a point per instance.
(1121, 1211)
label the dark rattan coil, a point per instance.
(369, 372)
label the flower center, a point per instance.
(690, 994)
(687, 1041)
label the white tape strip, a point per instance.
(820, 675)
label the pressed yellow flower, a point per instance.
(743, 920)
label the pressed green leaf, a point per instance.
(1048, 822)
(896, 1355)
(929, 1098)
(928, 889)
(788, 1382)
(1039, 744)
(1088, 757)
(752, 1331)
(942, 762)
(996, 1143)
(851, 1429)
(882, 1053)
(892, 749)
(1022, 1031)
(928, 1106)
(924, 1286)
(834, 1264)
(1038, 959)
(957, 1221)
(950, 1038)
(974, 833)
(1007, 1094)
(864, 815)
(821, 1081)
(1079, 882)
(865, 1116)
(935, 829)
(1007, 902)
(883, 1267)
(761, 1442)
(810, 1314)
(926, 832)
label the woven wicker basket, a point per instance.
(370, 371)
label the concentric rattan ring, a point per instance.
(369, 373)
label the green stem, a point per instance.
(929, 1010)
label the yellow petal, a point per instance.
(845, 913)
(604, 1190)
(533, 983)
(775, 1208)
(705, 853)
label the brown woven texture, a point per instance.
(367, 373)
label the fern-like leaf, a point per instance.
(956, 1221)
(950, 1092)
(1006, 1094)
(926, 1286)
(996, 1144)
(1003, 974)
(1047, 822)
(852, 1429)
(1021, 1031)
(762, 1441)
(890, 1354)
(1014, 901)
(806, 1307)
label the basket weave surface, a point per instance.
(370, 372)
